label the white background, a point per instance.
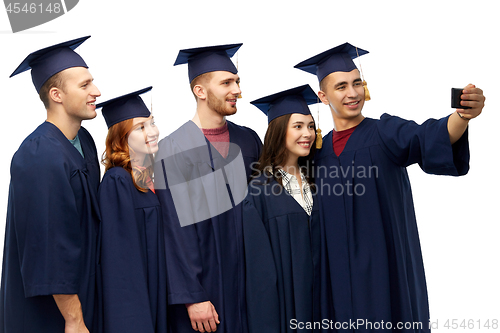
(418, 51)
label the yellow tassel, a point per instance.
(239, 96)
(319, 139)
(367, 93)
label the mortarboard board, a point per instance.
(338, 59)
(124, 107)
(208, 59)
(295, 100)
(51, 60)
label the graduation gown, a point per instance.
(51, 231)
(282, 255)
(132, 283)
(205, 260)
(377, 273)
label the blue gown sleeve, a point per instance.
(123, 261)
(428, 144)
(47, 218)
(263, 308)
(184, 260)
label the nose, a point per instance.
(96, 92)
(352, 92)
(236, 89)
(307, 132)
(151, 131)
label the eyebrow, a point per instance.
(301, 122)
(231, 79)
(87, 81)
(345, 82)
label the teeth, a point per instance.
(352, 103)
(93, 103)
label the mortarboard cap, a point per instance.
(51, 60)
(202, 60)
(295, 100)
(338, 59)
(124, 107)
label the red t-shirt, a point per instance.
(340, 139)
(219, 138)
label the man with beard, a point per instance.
(201, 173)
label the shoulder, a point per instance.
(117, 174)
(41, 149)
(186, 137)
(259, 184)
(243, 131)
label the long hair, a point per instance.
(274, 152)
(117, 154)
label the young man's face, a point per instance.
(222, 92)
(344, 93)
(79, 93)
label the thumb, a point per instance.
(215, 314)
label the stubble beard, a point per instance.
(219, 105)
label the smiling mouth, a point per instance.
(154, 141)
(304, 144)
(352, 103)
(91, 103)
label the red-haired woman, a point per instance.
(132, 288)
(281, 220)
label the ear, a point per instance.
(322, 97)
(200, 92)
(55, 95)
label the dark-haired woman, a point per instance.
(281, 221)
(132, 288)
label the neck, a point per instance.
(68, 125)
(207, 118)
(292, 166)
(137, 160)
(342, 124)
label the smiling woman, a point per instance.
(281, 220)
(132, 247)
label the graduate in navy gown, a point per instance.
(201, 175)
(377, 272)
(48, 272)
(132, 282)
(281, 226)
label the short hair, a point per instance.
(322, 83)
(56, 81)
(200, 79)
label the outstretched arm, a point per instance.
(458, 121)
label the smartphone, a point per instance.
(456, 94)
